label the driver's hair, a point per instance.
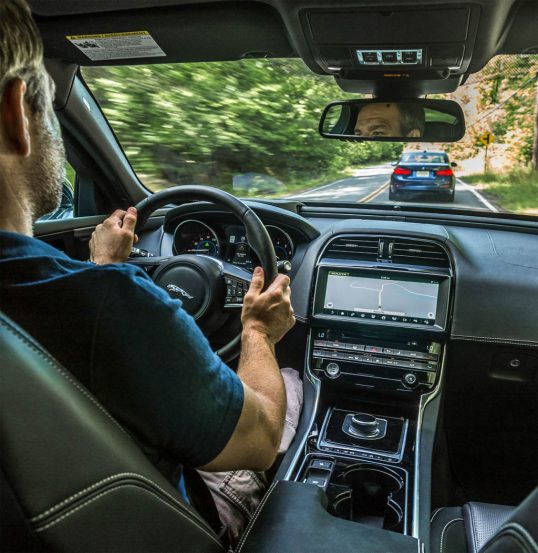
(411, 117)
(21, 52)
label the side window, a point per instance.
(66, 209)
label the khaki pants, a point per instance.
(238, 493)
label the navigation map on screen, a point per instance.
(382, 297)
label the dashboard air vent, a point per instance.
(387, 249)
(354, 248)
(414, 252)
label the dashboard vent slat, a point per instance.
(418, 253)
(355, 248)
(387, 249)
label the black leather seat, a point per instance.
(80, 481)
(486, 528)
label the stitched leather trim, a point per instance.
(435, 513)
(511, 341)
(55, 365)
(445, 529)
(121, 486)
(254, 518)
(101, 483)
(518, 533)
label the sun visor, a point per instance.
(168, 34)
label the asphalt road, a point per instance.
(371, 186)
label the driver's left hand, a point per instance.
(112, 240)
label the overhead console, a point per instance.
(393, 42)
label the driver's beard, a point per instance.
(45, 168)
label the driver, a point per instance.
(124, 338)
(391, 120)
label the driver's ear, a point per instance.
(415, 133)
(14, 122)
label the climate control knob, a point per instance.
(332, 370)
(410, 380)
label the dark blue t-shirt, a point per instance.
(129, 343)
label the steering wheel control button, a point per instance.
(235, 291)
(332, 370)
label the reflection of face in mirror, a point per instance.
(385, 119)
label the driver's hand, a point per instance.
(268, 312)
(112, 240)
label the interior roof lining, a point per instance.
(51, 8)
(241, 28)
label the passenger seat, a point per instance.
(486, 528)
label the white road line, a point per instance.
(478, 195)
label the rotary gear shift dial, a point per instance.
(364, 425)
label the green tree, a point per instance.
(204, 122)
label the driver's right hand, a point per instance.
(269, 312)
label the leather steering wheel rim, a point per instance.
(257, 236)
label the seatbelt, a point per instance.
(16, 533)
(201, 499)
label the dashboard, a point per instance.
(492, 265)
(227, 242)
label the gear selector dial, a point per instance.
(364, 425)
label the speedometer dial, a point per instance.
(195, 237)
(281, 242)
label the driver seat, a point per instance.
(72, 478)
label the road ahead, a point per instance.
(371, 185)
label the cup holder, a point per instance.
(369, 498)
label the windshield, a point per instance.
(251, 127)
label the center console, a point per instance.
(378, 328)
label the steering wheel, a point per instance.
(208, 288)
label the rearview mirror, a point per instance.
(416, 120)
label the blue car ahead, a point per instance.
(423, 172)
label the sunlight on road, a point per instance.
(374, 171)
(334, 193)
(345, 187)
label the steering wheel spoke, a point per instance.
(149, 264)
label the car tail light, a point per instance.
(401, 171)
(444, 173)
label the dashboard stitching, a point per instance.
(514, 341)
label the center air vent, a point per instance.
(415, 252)
(387, 249)
(356, 248)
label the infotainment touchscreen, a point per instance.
(384, 296)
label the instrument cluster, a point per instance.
(228, 242)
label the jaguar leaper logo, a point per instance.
(178, 290)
